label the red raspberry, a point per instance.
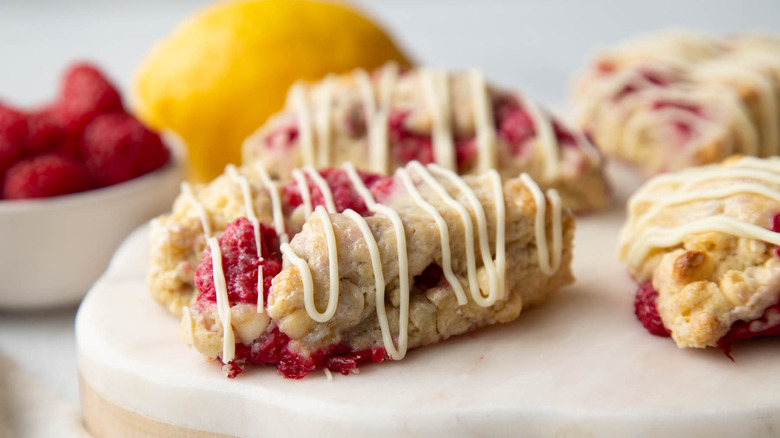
(514, 124)
(44, 176)
(13, 130)
(240, 263)
(344, 194)
(117, 147)
(44, 133)
(741, 330)
(646, 310)
(86, 92)
(407, 146)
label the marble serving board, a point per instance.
(579, 366)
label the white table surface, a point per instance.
(536, 45)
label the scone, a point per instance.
(702, 244)
(680, 99)
(375, 266)
(382, 120)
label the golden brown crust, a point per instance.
(711, 277)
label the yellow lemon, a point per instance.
(219, 76)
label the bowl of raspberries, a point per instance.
(76, 176)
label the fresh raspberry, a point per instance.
(240, 263)
(44, 133)
(44, 176)
(13, 131)
(86, 92)
(741, 330)
(117, 147)
(646, 310)
(344, 194)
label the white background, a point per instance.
(536, 45)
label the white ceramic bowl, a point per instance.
(52, 250)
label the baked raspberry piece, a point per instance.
(767, 325)
(240, 261)
(86, 92)
(344, 194)
(44, 176)
(13, 132)
(117, 147)
(646, 310)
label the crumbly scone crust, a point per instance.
(581, 181)
(726, 92)
(711, 279)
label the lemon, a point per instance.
(219, 76)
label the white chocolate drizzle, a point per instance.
(734, 87)
(435, 86)
(549, 260)
(747, 176)
(223, 302)
(546, 142)
(548, 263)
(205, 223)
(300, 104)
(321, 184)
(444, 234)
(484, 127)
(496, 269)
(249, 209)
(276, 202)
(303, 188)
(324, 105)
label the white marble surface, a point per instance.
(533, 44)
(579, 366)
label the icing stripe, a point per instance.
(303, 189)
(435, 86)
(495, 274)
(322, 120)
(276, 203)
(186, 190)
(444, 235)
(484, 127)
(320, 182)
(250, 214)
(546, 142)
(300, 104)
(750, 175)
(549, 261)
(223, 302)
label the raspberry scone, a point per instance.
(383, 120)
(379, 265)
(702, 244)
(676, 100)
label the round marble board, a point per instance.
(579, 365)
